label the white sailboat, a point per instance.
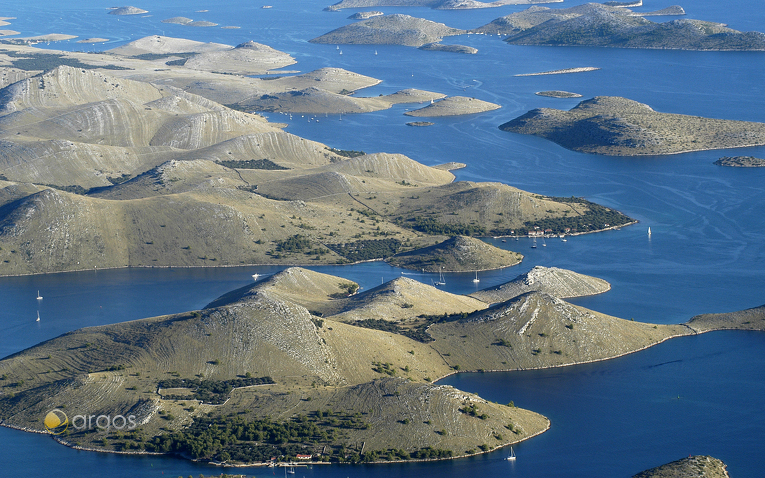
(511, 457)
(441, 280)
(38, 316)
(476, 280)
(649, 230)
(39, 297)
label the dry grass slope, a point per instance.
(560, 283)
(749, 319)
(158, 176)
(694, 466)
(536, 330)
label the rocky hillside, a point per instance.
(560, 283)
(599, 25)
(101, 171)
(621, 127)
(741, 161)
(693, 466)
(249, 58)
(456, 254)
(156, 44)
(536, 330)
(453, 106)
(749, 319)
(258, 358)
(259, 355)
(401, 300)
(393, 29)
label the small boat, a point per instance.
(39, 297)
(291, 470)
(255, 276)
(534, 244)
(476, 280)
(441, 280)
(38, 316)
(511, 456)
(375, 52)
(649, 230)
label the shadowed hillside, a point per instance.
(621, 127)
(457, 254)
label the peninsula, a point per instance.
(301, 363)
(621, 127)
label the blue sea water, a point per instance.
(706, 254)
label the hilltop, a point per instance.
(697, 466)
(159, 45)
(553, 281)
(594, 24)
(454, 106)
(249, 58)
(456, 254)
(622, 127)
(535, 330)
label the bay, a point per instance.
(706, 254)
